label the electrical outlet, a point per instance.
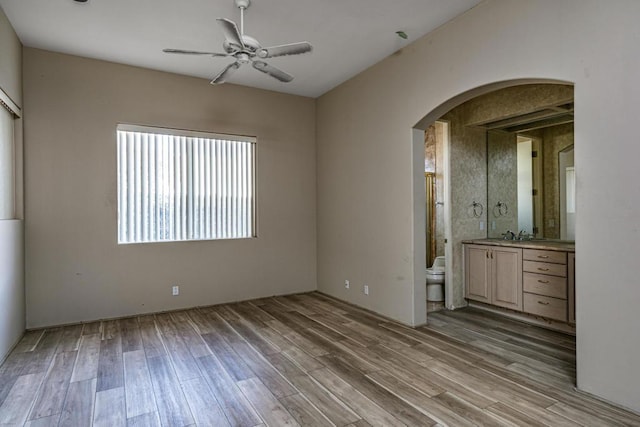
(366, 289)
(346, 284)
(175, 290)
(481, 225)
(493, 225)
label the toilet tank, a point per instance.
(438, 263)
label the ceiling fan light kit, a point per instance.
(244, 49)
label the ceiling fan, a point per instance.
(246, 49)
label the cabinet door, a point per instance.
(506, 281)
(477, 273)
(572, 287)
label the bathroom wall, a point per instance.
(502, 174)
(514, 101)
(468, 180)
(502, 150)
(430, 149)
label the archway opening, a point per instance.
(484, 121)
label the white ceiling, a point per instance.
(348, 35)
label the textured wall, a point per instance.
(514, 101)
(468, 180)
(502, 151)
(502, 162)
(75, 269)
(430, 149)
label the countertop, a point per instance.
(548, 245)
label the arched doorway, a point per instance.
(453, 234)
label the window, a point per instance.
(177, 185)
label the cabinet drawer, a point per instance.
(552, 308)
(541, 284)
(545, 256)
(545, 268)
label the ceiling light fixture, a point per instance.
(402, 34)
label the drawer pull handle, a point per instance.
(543, 281)
(543, 256)
(543, 303)
(543, 269)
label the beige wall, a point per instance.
(75, 269)
(12, 305)
(369, 218)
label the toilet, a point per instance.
(435, 280)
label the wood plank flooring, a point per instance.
(297, 360)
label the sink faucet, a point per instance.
(509, 235)
(522, 235)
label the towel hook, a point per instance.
(478, 209)
(501, 208)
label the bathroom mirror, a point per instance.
(530, 168)
(531, 182)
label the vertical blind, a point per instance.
(7, 178)
(175, 185)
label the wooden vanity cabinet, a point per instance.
(478, 273)
(494, 275)
(545, 289)
(540, 282)
(571, 266)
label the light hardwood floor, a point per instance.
(304, 359)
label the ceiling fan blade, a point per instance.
(231, 33)
(193, 52)
(285, 49)
(272, 71)
(225, 74)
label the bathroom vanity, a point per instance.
(536, 278)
